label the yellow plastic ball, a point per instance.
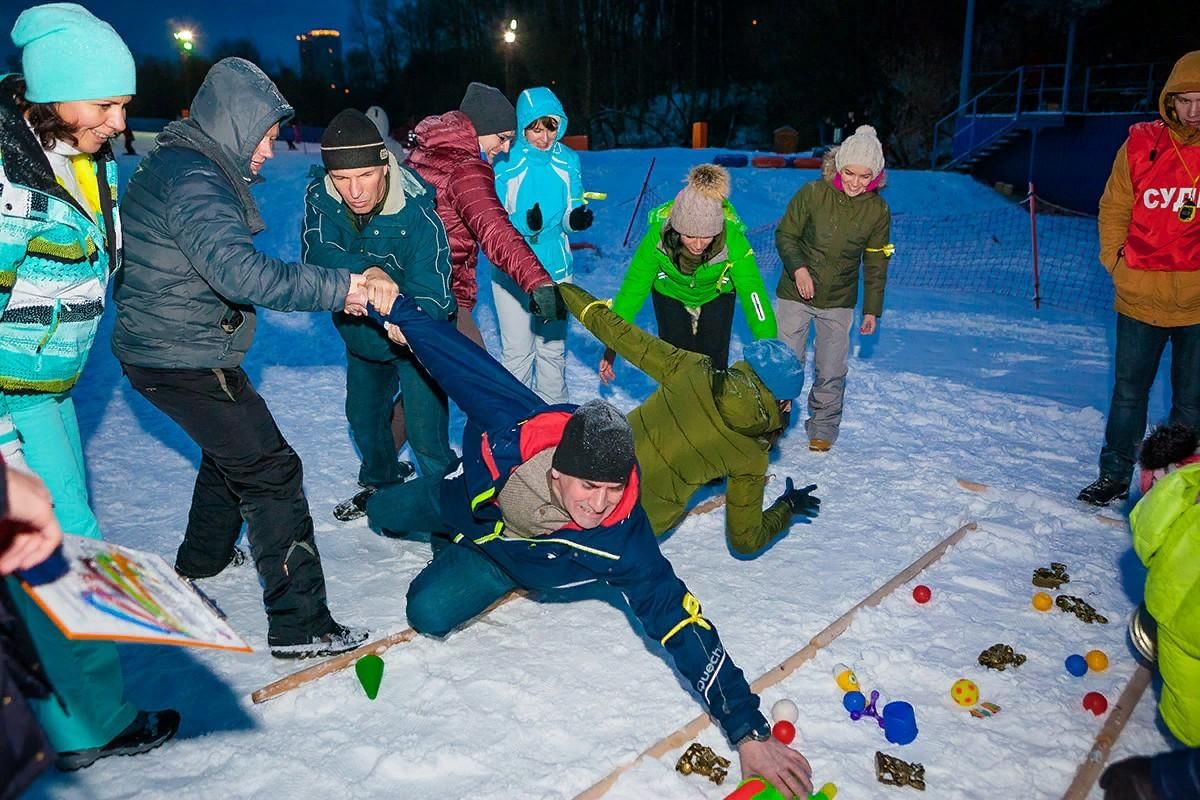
(1042, 601)
(1097, 661)
(965, 693)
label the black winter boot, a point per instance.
(1103, 491)
(148, 730)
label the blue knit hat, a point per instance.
(776, 366)
(68, 54)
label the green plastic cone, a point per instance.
(369, 669)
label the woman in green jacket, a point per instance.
(831, 225)
(692, 261)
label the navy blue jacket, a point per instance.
(507, 424)
(1176, 774)
(24, 751)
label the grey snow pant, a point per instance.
(831, 354)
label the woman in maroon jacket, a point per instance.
(454, 152)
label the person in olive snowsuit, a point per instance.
(831, 225)
(704, 423)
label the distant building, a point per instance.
(321, 57)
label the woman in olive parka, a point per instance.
(832, 225)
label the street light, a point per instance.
(185, 40)
(510, 38)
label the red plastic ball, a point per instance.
(784, 731)
(1095, 703)
(922, 594)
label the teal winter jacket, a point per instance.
(549, 178)
(405, 238)
(55, 262)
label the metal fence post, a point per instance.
(1037, 297)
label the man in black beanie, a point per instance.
(546, 499)
(365, 211)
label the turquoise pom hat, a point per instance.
(69, 54)
(776, 366)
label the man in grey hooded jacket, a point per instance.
(185, 318)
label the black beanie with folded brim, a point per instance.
(488, 109)
(596, 445)
(352, 141)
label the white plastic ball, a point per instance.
(784, 710)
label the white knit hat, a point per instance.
(863, 149)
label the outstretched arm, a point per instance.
(748, 527)
(648, 353)
(486, 392)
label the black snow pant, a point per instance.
(708, 335)
(248, 472)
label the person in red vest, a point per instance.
(1150, 244)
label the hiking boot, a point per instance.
(1104, 490)
(819, 445)
(148, 730)
(339, 640)
(236, 558)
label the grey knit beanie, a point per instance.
(863, 149)
(698, 210)
(488, 109)
(596, 445)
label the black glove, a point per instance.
(1128, 780)
(581, 218)
(546, 303)
(533, 218)
(801, 501)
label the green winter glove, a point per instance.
(547, 304)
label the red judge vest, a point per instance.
(1158, 239)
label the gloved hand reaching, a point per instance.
(546, 303)
(533, 218)
(581, 218)
(1128, 780)
(801, 501)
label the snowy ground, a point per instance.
(540, 700)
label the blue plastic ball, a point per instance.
(854, 702)
(1076, 665)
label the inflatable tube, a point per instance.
(731, 160)
(769, 161)
(804, 162)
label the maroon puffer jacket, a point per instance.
(447, 156)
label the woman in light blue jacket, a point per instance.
(540, 186)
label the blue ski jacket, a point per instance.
(506, 425)
(550, 178)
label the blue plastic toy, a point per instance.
(1076, 665)
(899, 722)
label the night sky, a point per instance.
(146, 25)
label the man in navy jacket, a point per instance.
(545, 498)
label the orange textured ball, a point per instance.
(1042, 601)
(1097, 660)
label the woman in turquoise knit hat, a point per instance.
(59, 243)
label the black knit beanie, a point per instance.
(351, 141)
(597, 444)
(488, 109)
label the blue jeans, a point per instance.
(456, 587)
(1139, 349)
(371, 388)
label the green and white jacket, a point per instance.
(55, 262)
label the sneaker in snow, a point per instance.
(1103, 491)
(355, 507)
(340, 640)
(819, 445)
(148, 730)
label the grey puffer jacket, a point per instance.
(191, 277)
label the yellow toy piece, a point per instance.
(1042, 601)
(847, 681)
(1097, 661)
(965, 693)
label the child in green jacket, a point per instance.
(692, 261)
